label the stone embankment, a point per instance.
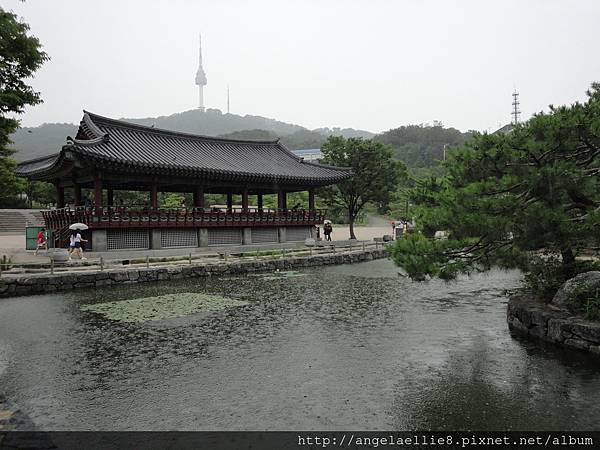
(551, 324)
(41, 284)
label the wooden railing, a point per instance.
(140, 217)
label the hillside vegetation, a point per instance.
(419, 146)
(33, 142)
(422, 146)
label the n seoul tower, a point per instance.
(200, 78)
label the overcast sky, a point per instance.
(373, 65)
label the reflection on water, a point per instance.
(342, 347)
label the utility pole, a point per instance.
(227, 99)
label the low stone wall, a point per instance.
(530, 317)
(41, 284)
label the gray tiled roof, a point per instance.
(36, 165)
(131, 147)
(505, 129)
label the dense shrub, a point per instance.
(585, 301)
(544, 275)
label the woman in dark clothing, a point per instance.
(327, 229)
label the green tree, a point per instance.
(506, 195)
(422, 145)
(376, 174)
(171, 199)
(40, 193)
(20, 57)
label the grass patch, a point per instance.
(586, 302)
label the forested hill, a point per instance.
(297, 140)
(416, 145)
(32, 142)
(213, 122)
(422, 145)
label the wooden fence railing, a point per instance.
(130, 217)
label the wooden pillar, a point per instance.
(229, 201)
(259, 201)
(77, 194)
(60, 196)
(199, 197)
(98, 192)
(311, 199)
(245, 199)
(282, 200)
(154, 196)
(110, 197)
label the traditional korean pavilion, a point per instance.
(108, 155)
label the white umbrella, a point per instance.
(327, 221)
(78, 226)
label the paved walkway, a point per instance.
(341, 232)
(13, 246)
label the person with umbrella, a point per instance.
(76, 240)
(327, 229)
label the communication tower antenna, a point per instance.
(200, 77)
(516, 112)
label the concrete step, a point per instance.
(15, 220)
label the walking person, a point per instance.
(42, 240)
(327, 229)
(71, 244)
(77, 240)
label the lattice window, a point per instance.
(127, 239)
(224, 236)
(296, 233)
(178, 237)
(264, 234)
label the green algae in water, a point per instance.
(284, 274)
(162, 307)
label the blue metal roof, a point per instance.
(308, 153)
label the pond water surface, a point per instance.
(346, 347)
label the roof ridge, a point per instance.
(122, 123)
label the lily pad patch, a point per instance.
(162, 307)
(283, 274)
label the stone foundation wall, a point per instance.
(41, 284)
(530, 317)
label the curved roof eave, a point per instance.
(54, 161)
(113, 143)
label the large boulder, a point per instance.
(59, 255)
(587, 281)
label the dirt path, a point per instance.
(375, 220)
(377, 226)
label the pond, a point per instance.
(336, 348)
